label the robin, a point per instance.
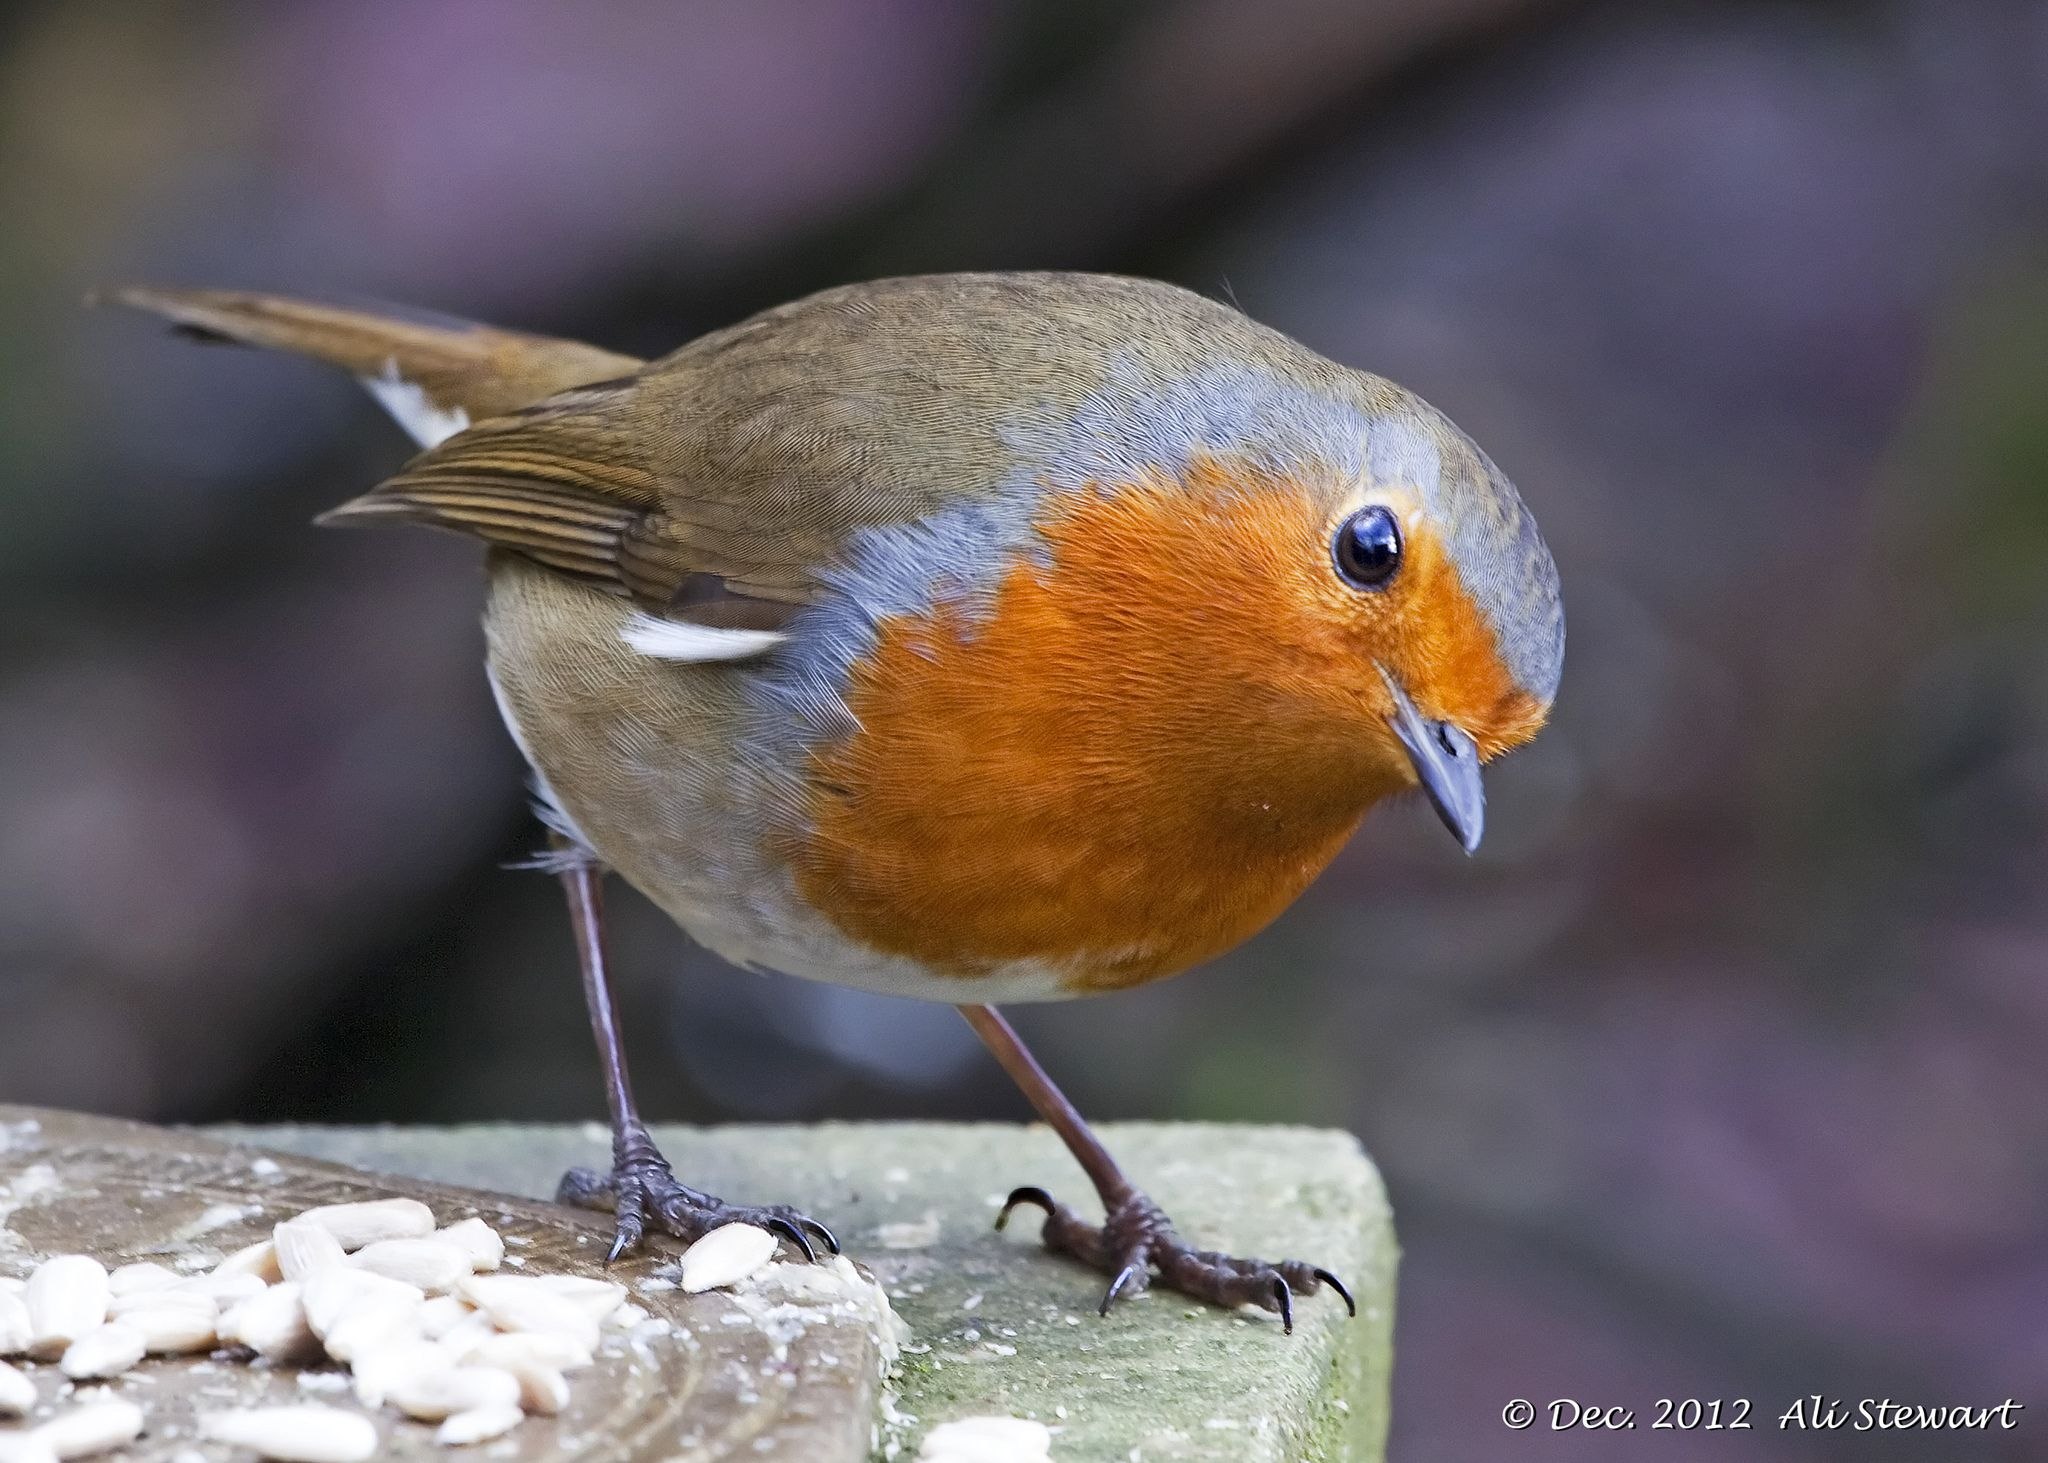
(979, 638)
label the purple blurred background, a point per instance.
(1718, 1073)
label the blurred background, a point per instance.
(1719, 1072)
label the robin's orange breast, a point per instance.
(1118, 767)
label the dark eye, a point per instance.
(1368, 547)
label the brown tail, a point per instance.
(471, 369)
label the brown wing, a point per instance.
(715, 484)
(552, 482)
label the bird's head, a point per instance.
(1441, 610)
(1341, 625)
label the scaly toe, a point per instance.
(1136, 1245)
(642, 1189)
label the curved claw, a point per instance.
(790, 1230)
(1028, 1194)
(1337, 1285)
(832, 1240)
(1284, 1294)
(1123, 1278)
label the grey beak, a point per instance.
(1446, 764)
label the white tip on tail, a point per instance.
(675, 640)
(407, 402)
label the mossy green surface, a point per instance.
(1000, 1326)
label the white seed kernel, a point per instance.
(442, 1314)
(597, 1298)
(431, 1264)
(356, 1225)
(174, 1330)
(726, 1256)
(143, 1275)
(97, 1427)
(259, 1259)
(370, 1325)
(15, 1331)
(225, 1290)
(520, 1303)
(104, 1351)
(477, 1425)
(17, 1392)
(437, 1395)
(307, 1433)
(186, 1302)
(381, 1369)
(67, 1296)
(476, 1239)
(304, 1250)
(542, 1389)
(513, 1350)
(468, 1332)
(332, 1292)
(273, 1324)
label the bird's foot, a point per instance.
(642, 1190)
(1136, 1243)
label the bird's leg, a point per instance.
(1135, 1240)
(641, 1188)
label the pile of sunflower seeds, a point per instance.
(414, 1310)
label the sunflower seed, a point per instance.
(472, 1329)
(225, 1289)
(273, 1324)
(141, 1277)
(356, 1225)
(542, 1389)
(304, 1249)
(436, 1395)
(15, 1330)
(17, 1392)
(186, 1302)
(476, 1239)
(596, 1298)
(442, 1314)
(381, 1369)
(259, 1259)
(331, 1292)
(520, 1303)
(308, 1433)
(515, 1349)
(726, 1256)
(174, 1330)
(477, 1425)
(431, 1264)
(67, 1297)
(104, 1351)
(370, 1325)
(97, 1427)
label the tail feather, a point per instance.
(435, 378)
